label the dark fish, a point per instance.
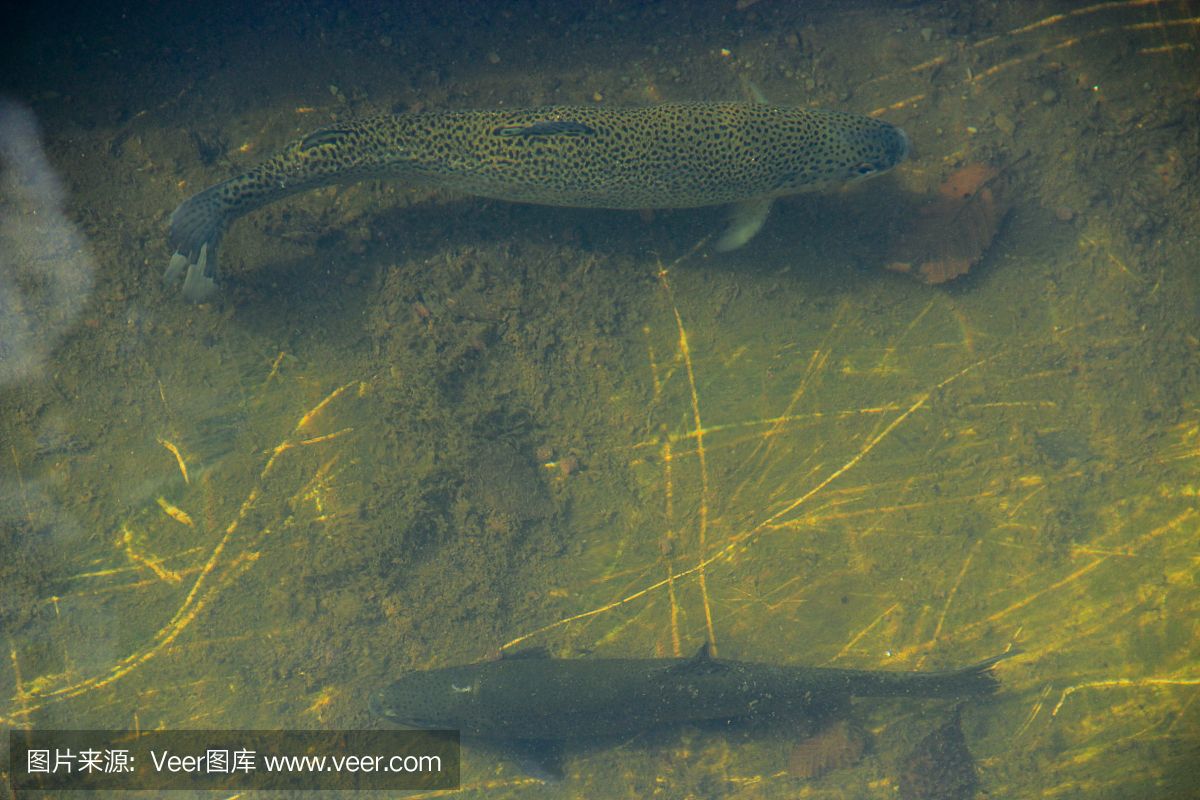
(529, 698)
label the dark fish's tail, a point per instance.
(196, 230)
(973, 680)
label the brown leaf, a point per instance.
(837, 746)
(940, 767)
(954, 228)
(966, 181)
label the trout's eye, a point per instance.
(864, 169)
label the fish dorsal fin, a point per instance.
(752, 92)
(332, 137)
(549, 127)
(700, 664)
(525, 652)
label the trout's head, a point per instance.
(842, 149)
(431, 699)
(877, 147)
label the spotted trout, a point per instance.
(533, 698)
(673, 155)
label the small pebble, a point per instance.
(927, 34)
(1005, 124)
(1049, 96)
(1064, 214)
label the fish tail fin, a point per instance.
(196, 230)
(975, 679)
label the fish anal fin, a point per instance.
(745, 220)
(541, 758)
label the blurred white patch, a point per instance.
(46, 272)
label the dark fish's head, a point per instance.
(843, 148)
(433, 699)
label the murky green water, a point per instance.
(417, 429)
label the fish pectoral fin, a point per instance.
(541, 758)
(745, 220)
